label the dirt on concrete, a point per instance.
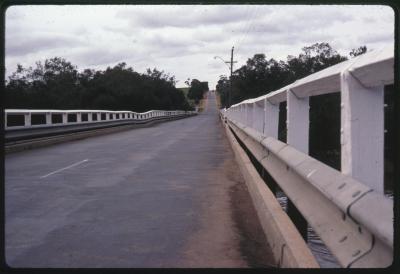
(230, 235)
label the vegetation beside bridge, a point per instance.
(57, 84)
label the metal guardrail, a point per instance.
(354, 221)
(287, 245)
(20, 119)
(347, 209)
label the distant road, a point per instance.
(162, 196)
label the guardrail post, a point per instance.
(90, 116)
(27, 119)
(362, 132)
(78, 117)
(297, 121)
(271, 127)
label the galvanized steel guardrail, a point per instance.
(346, 208)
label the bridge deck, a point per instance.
(164, 196)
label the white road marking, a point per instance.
(51, 173)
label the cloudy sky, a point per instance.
(182, 40)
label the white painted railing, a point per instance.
(16, 119)
(360, 82)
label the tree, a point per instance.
(359, 51)
(197, 90)
(56, 84)
(222, 89)
(53, 84)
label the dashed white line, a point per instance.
(61, 169)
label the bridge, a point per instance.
(181, 189)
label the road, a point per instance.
(164, 196)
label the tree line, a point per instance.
(197, 89)
(260, 76)
(57, 84)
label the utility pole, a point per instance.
(230, 78)
(230, 90)
(231, 69)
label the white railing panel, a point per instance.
(362, 132)
(375, 68)
(101, 115)
(271, 119)
(297, 121)
(258, 115)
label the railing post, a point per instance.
(90, 116)
(362, 132)
(48, 118)
(297, 136)
(78, 117)
(271, 126)
(258, 116)
(27, 119)
(65, 118)
(243, 113)
(297, 121)
(249, 114)
(237, 113)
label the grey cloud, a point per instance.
(304, 21)
(166, 42)
(368, 19)
(17, 45)
(209, 35)
(170, 46)
(184, 18)
(286, 38)
(377, 38)
(13, 13)
(99, 56)
(127, 30)
(185, 41)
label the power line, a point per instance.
(246, 24)
(254, 14)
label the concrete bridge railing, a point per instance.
(346, 208)
(17, 119)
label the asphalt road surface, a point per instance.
(164, 196)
